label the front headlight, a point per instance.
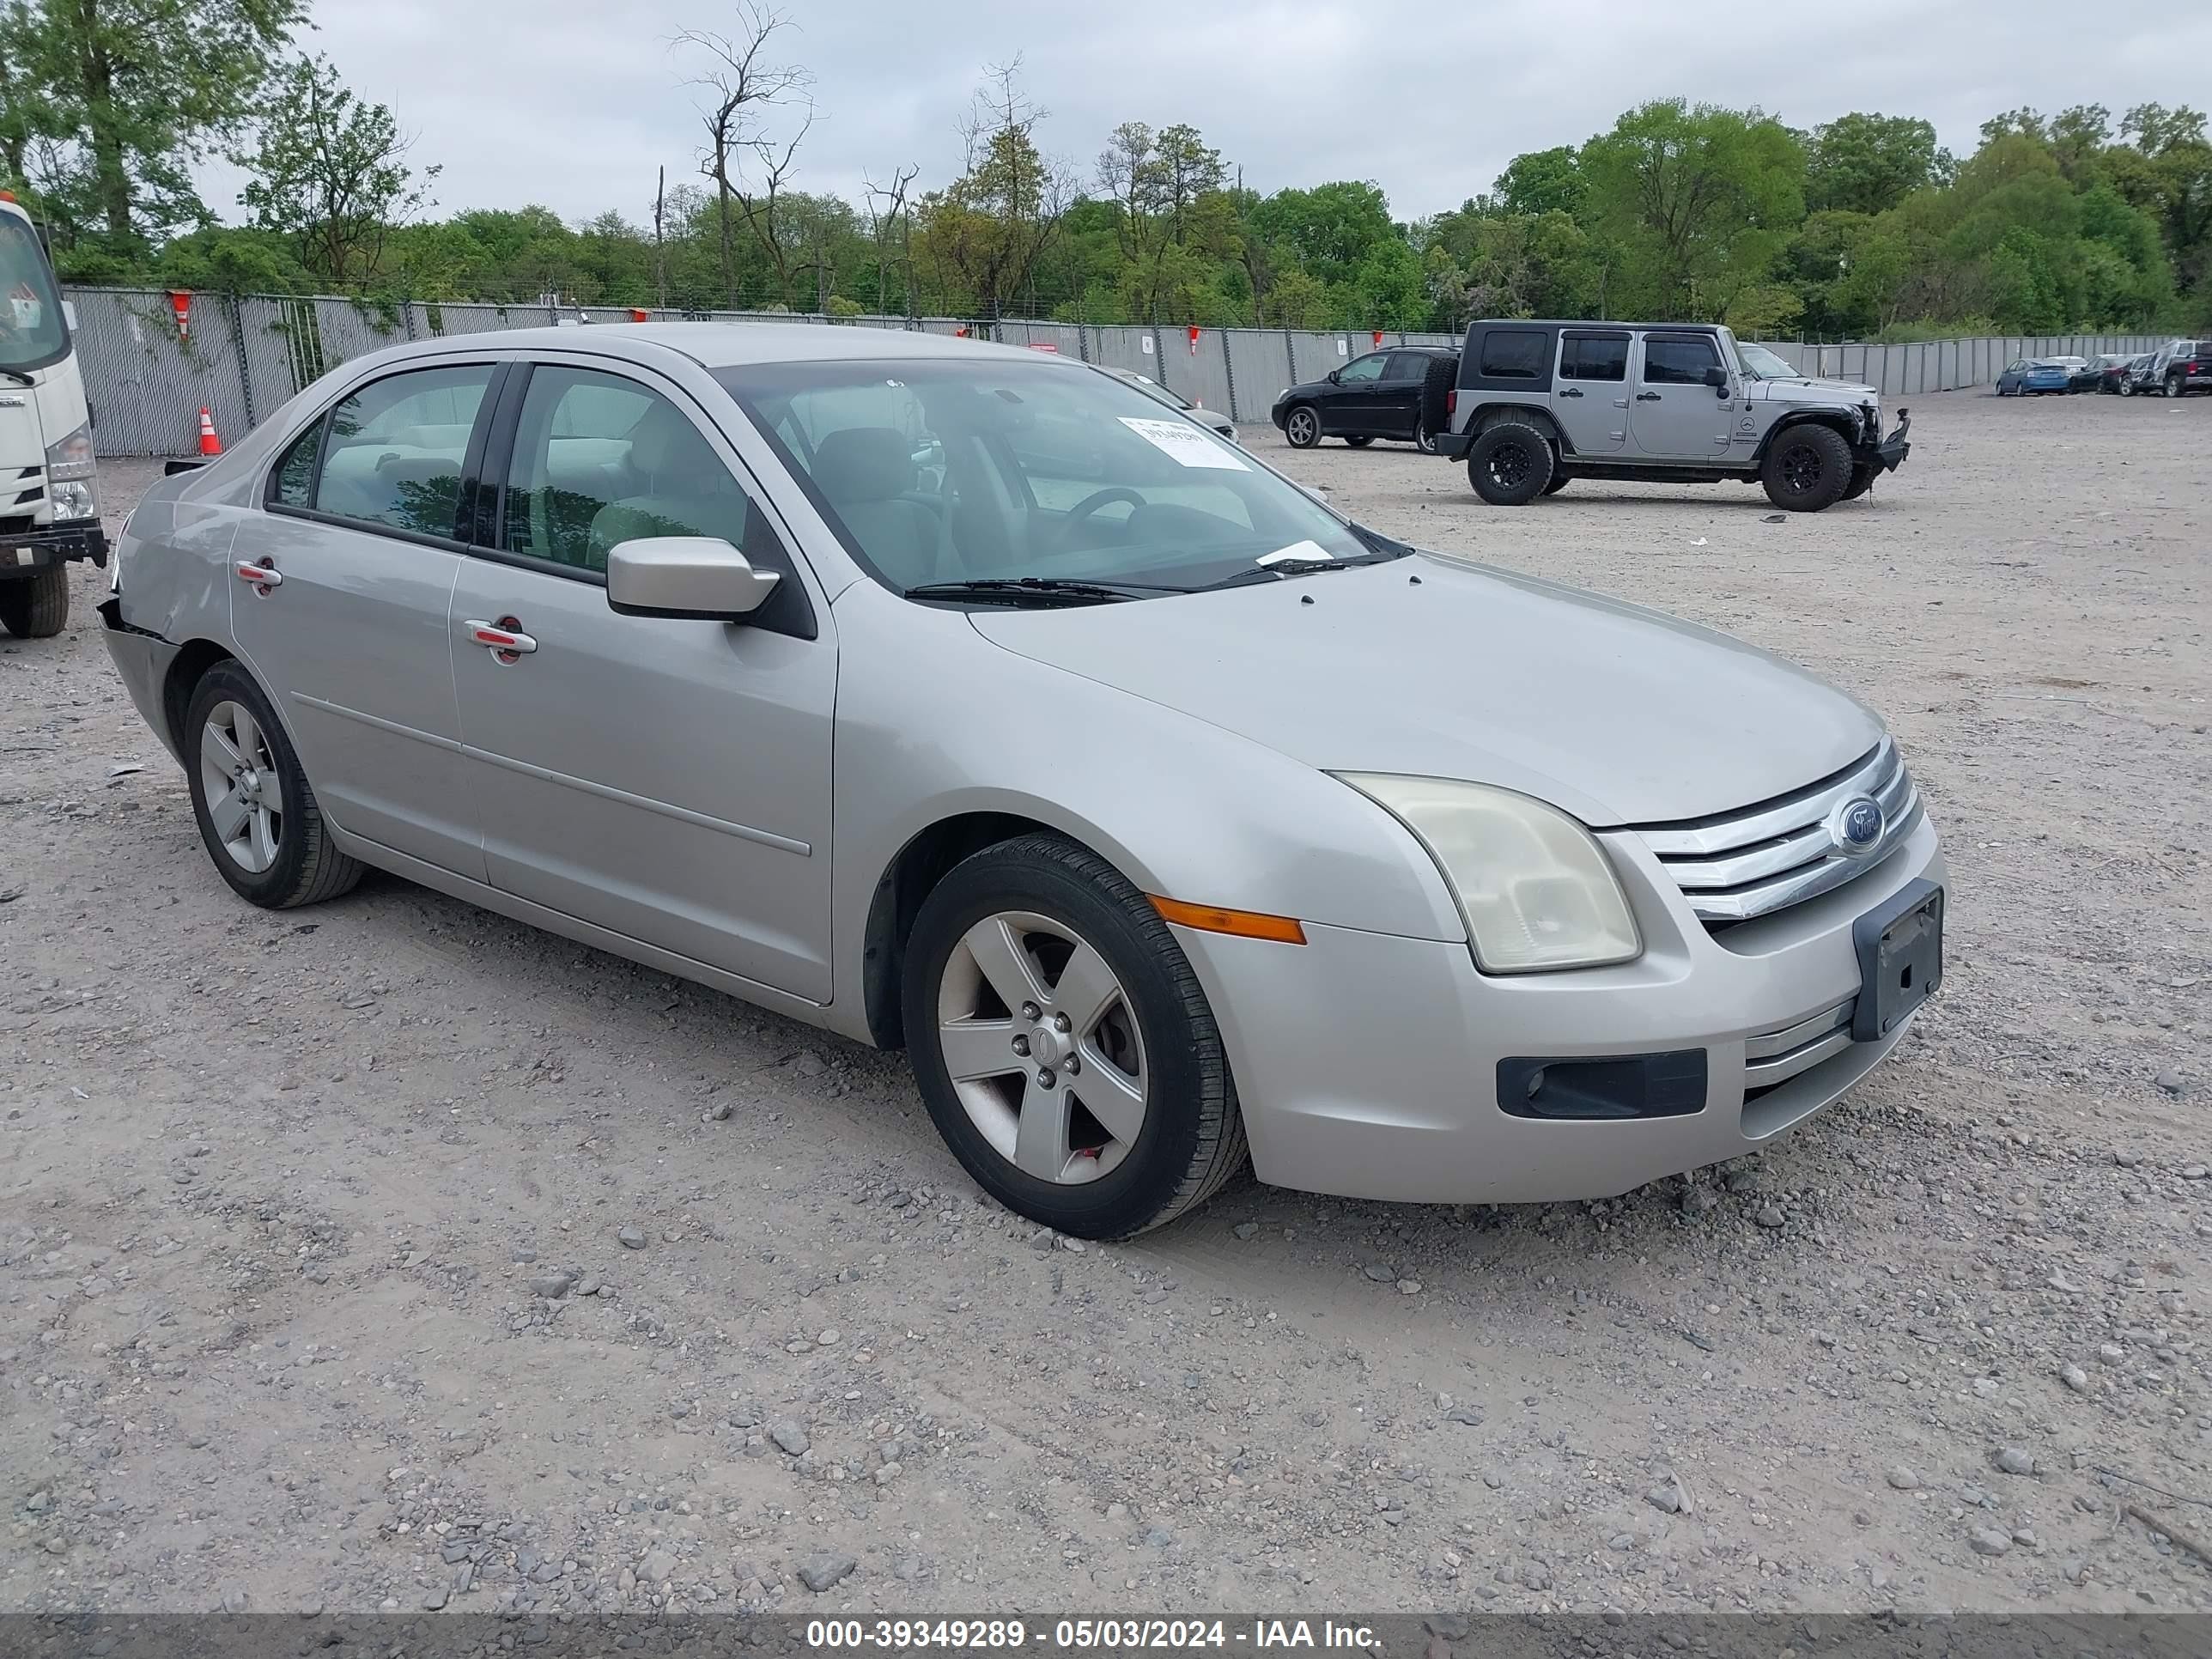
(1534, 888)
(74, 498)
(72, 457)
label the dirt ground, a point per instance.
(285, 1199)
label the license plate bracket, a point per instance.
(1901, 951)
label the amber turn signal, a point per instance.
(1243, 924)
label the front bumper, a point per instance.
(22, 550)
(1889, 454)
(141, 661)
(1367, 1063)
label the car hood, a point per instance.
(1440, 668)
(1805, 389)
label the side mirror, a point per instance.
(1718, 378)
(1333, 375)
(696, 576)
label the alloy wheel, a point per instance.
(1042, 1047)
(1800, 469)
(1508, 464)
(238, 776)
(1302, 427)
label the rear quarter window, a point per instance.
(1514, 355)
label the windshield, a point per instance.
(1760, 364)
(995, 470)
(31, 334)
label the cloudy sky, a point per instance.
(575, 103)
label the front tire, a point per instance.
(1862, 481)
(256, 811)
(36, 607)
(1558, 483)
(1062, 1044)
(1808, 467)
(1509, 463)
(1302, 427)
(2127, 388)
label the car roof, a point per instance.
(731, 345)
(1585, 322)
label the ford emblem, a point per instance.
(1859, 823)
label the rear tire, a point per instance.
(1509, 463)
(1807, 467)
(2175, 387)
(1424, 440)
(1302, 426)
(275, 853)
(1025, 911)
(2127, 388)
(37, 607)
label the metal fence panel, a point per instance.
(1124, 346)
(1259, 361)
(146, 380)
(1200, 369)
(1317, 354)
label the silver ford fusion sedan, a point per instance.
(948, 696)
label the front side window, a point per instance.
(394, 452)
(32, 331)
(1361, 370)
(957, 470)
(600, 461)
(1678, 359)
(1594, 357)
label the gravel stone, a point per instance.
(631, 1237)
(789, 1434)
(819, 1573)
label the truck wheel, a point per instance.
(256, 809)
(1557, 484)
(2174, 386)
(1302, 427)
(1862, 481)
(1808, 467)
(36, 609)
(1509, 463)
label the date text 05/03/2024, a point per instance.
(1081, 1634)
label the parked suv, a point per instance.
(1538, 404)
(2182, 366)
(1376, 396)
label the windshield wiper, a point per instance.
(1277, 569)
(18, 376)
(1037, 590)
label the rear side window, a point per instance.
(1406, 366)
(1514, 355)
(1678, 359)
(1594, 357)
(396, 449)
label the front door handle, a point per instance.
(263, 575)
(1572, 392)
(1647, 397)
(504, 639)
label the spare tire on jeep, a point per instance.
(1510, 462)
(1436, 384)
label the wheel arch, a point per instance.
(1486, 416)
(192, 661)
(912, 873)
(1835, 419)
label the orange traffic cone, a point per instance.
(209, 444)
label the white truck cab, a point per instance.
(49, 484)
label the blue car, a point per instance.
(2035, 375)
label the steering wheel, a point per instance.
(1096, 499)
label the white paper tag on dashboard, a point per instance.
(1187, 445)
(1296, 552)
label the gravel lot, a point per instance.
(300, 1215)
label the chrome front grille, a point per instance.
(1766, 857)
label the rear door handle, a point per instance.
(263, 576)
(1647, 397)
(504, 639)
(1572, 392)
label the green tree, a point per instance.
(1540, 181)
(1868, 164)
(1699, 200)
(330, 171)
(129, 94)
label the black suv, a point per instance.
(1376, 396)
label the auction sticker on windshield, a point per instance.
(1185, 442)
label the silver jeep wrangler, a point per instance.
(1534, 404)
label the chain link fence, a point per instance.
(148, 375)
